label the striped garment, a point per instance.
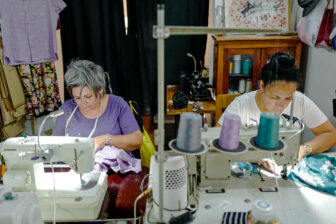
(235, 218)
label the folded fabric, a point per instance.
(317, 172)
(110, 157)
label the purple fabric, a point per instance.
(116, 159)
(29, 30)
(117, 119)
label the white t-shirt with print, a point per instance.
(304, 109)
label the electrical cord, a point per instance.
(146, 192)
(142, 183)
(54, 194)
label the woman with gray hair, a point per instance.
(91, 112)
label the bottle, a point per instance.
(246, 66)
(261, 213)
(237, 64)
(231, 68)
(241, 85)
(248, 87)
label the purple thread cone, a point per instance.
(229, 136)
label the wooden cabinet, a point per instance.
(255, 49)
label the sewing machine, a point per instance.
(77, 193)
(213, 189)
(209, 174)
(215, 165)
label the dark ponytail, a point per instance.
(281, 67)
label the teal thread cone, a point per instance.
(268, 131)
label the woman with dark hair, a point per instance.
(278, 84)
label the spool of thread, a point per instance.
(262, 212)
(241, 86)
(268, 131)
(231, 68)
(248, 87)
(237, 64)
(189, 132)
(229, 135)
(246, 66)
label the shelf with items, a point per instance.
(239, 59)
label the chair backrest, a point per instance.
(222, 102)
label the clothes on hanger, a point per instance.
(40, 87)
(29, 30)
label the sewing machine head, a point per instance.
(25, 156)
(215, 165)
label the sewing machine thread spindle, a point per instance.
(229, 135)
(268, 131)
(189, 132)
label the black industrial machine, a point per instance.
(195, 85)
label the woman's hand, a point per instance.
(100, 141)
(302, 153)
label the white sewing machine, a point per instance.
(214, 190)
(215, 165)
(77, 194)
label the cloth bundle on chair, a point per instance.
(147, 149)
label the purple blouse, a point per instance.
(117, 119)
(29, 30)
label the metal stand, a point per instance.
(161, 32)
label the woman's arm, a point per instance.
(128, 142)
(325, 138)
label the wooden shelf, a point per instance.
(257, 47)
(240, 75)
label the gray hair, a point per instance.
(81, 73)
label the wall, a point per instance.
(320, 82)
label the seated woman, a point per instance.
(278, 84)
(106, 118)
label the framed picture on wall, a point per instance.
(267, 14)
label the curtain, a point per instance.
(95, 30)
(141, 18)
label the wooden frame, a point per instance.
(265, 14)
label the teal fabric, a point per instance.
(317, 172)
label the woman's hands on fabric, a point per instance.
(302, 153)
(267, 165)
(100, 141)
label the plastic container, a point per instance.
(241, 85)
(237, 64)
(262, 213)
(246, 66)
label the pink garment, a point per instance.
(116, 159)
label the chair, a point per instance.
(222, 102)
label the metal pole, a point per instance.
(160, 89)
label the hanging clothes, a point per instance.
(29, 30)
(40, 88)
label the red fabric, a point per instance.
(326, 27)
